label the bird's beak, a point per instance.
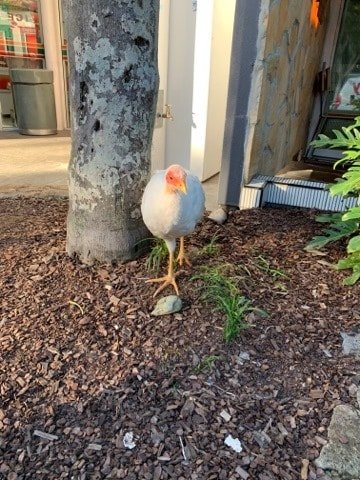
(182, 186)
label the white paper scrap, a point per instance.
(233, 443)
(225, 415)
(128, 440)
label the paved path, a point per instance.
(32, 165)
(38, 166)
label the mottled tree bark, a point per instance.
(113, 90)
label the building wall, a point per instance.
(287, 67)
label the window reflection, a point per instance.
(21, 46)
(345, 79)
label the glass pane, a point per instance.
(345, 77)
(64, 56)
(21, 46)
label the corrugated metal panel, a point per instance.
(292, 192)
(250, 197)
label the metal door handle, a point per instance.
(167, 114)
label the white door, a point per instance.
(159, 136)
(194, 60)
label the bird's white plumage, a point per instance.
(172, 214)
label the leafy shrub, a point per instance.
(343, 225)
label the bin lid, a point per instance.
(31, 75)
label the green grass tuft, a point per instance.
(157, 255)
(220, 289)
(207, 363)
(212, 248)
(264, 265)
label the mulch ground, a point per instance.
(83, 363)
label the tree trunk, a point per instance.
(113, 90)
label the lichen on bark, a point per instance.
(113, 92)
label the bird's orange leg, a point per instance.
(181, 258)
(169, 279)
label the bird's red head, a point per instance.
(175, 177)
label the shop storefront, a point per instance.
(32, 36)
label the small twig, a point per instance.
(46, 436)
(268, 425)
(304, 469)
(221, 389)
(71, 302)
(183, 449)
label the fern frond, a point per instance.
(349, 183)
(329, 217)
(351, 262)
(337, 231)
(343, 224)
(354, 244)
(348, 137)
(352, 214)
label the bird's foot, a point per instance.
(182, 258)
(167, 280)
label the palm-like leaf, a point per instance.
(335, 232)
(347, 224)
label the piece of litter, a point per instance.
(128, 440)
(94, 446)
(225, 415)
(47, 436)
(233, 443)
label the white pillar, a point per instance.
(50, 16)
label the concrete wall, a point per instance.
(286, 69)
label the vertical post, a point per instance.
(50, 16)
(243, 55)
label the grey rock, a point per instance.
(242, 358)
(167, 305)
(342, 453)
(358, 397)
(351, 343)
(218, 215)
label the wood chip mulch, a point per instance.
(85, 369)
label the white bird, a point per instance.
(172, 204)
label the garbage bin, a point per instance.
(34, 101)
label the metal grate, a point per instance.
(264, 189)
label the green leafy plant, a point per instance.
(343, 225)
(157, 255)
(264, 265)
(220, 289)
(207, 363)
(212, 248)
(355, 103)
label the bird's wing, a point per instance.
(197, 195)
